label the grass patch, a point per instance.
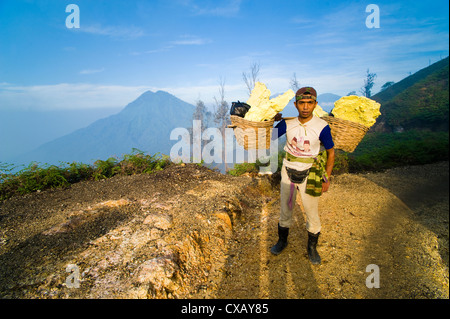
(241, 169)
(36, 177)
(253, 168)
(379, 151)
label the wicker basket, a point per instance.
(250, 134)
(346, 134)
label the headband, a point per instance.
(304, 96)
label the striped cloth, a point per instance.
(317, 173)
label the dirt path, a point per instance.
(189, 232)
(397, 220)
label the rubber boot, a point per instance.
(283, 233)
(312, 248)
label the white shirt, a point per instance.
(302, 140)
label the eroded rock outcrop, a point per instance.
(152, 236)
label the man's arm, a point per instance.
(280, 130)
(328, 168)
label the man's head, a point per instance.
(306, 92)
(305, 102)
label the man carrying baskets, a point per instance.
(306, 169)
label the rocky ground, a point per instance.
(190, 232)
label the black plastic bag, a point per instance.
(239, 108)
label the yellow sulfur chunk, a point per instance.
(262, 108)
(358, 109)
(260, 95)
(319, 112)
(279, 103)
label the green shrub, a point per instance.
(240, 169)
(106, 169)
(137, 162)
(77, 172)
(30, 179)
(378, 151)
(39, 177)
(341, 162)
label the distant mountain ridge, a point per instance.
(17, 124)
(326, 101)
(145, 124)
(409, 81)
(420, 101)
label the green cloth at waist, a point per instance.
(292, 158)
(317, 174)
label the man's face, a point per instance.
(305, 108)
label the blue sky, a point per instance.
(185, 47)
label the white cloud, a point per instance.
(207, 92)
(184, 40)
(401, 45)
(220, 8)
(117, 32)
(92, 71)
(67, 96)
(190, 40)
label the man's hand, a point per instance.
(277, 117)
(325, 186)
(329, 169)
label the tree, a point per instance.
(386, 85)
(221, 109)
(368, 84)
(200, 111)
(222, 114)
(251, 78)
(294, 83)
